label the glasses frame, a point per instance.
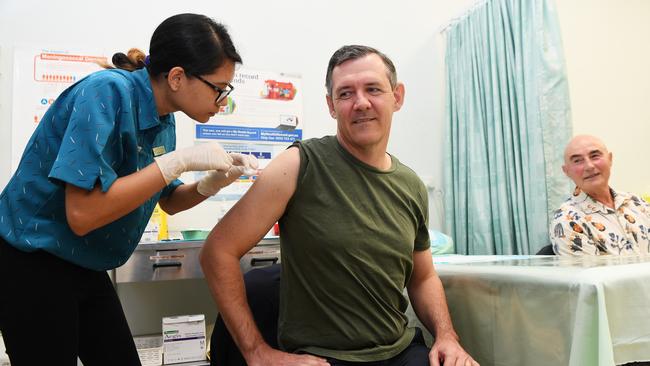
(221, 93)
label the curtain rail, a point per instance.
(470, 9)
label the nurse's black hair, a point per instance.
(194, 42)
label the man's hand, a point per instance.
(267, 356)
(446, 351)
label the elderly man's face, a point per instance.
(588, 163)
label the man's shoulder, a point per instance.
(405, 169)
(325, 141)
(627, 198)
(316, 148)
(568, 206)
(280, 175)
(624, 195)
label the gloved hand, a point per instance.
(201, 157)
(215, 180)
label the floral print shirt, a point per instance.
(584, 226)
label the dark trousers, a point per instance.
(416, 354)
(52, 311)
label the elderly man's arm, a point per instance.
(239, 230)
(428, 299)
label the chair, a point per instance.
(546, 250)
(263, 294)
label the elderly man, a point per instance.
(353, 229)
(597, 220)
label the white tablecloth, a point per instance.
(533, 310)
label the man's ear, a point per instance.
(564, 169)
(398, 93)
(330, 105)
(175, 77)
(611, 159)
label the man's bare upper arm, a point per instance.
(256, 212)
(422, 267)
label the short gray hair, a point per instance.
(353, 52)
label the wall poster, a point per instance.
(39, 76)
(263, 117)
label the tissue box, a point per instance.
(183, 338)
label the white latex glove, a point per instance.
(201, 157)
(248, 163)
(215, 180)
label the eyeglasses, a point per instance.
(221, 93)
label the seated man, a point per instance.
(597, 220)
(353, 229)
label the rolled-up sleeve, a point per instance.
(169, 189)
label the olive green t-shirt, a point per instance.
(347, 239)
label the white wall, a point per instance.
(608, 65)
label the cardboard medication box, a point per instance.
(184, 338)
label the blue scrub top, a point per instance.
(103, 127)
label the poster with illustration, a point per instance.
(262, 117)
(39, 76)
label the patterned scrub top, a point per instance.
(583, 225)
(103, 127)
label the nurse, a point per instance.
(99, 161)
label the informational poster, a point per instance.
(40, 75)
(263, 117)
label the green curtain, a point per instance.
(508, 120)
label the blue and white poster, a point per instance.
(262, 117)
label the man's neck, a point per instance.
(603, 196)
(375, 155)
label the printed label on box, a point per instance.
(184, 338)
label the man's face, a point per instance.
(363, 102)
(588, 163)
